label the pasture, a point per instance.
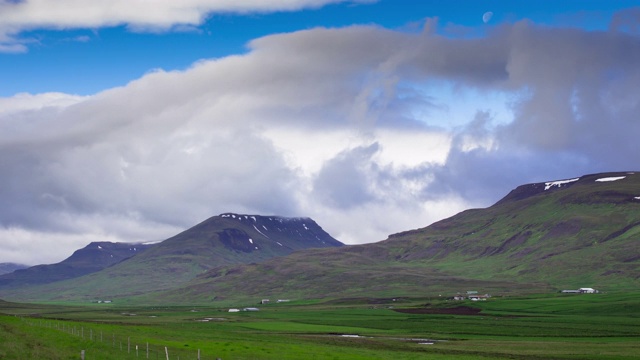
(552, 326)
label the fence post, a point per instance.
(147, 350)
(82, 354)
(166, 351)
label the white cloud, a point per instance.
(318, 123)
(28, 102)
(140, 15)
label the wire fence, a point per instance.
(103, 345)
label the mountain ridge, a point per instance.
(92, 258)
(221, 240)
(540, 237)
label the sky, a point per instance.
(131, 121)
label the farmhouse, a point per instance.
(587, 291)
(581, 291)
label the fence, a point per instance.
(102, 345)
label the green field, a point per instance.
(589, 326)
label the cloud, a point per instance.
(138, 15)
(355, 127)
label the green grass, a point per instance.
(548, 326)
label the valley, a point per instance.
(549, 326)
(485, 283)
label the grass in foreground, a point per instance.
(599, 326)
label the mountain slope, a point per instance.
(6, 268)
(219, 241)
(544, 236)
(94, 257)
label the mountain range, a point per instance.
(541, 237)
(218, 241)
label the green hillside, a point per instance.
(219, 241)
(540, 237)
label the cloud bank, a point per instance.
(138, 15)
(368, 131)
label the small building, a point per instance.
(283, 300)
(264, 301)
(587, 291)
(458, 298)
(251, 309)
(479, 297)
(581, 291)
(234, 310)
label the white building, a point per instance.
(587, 291)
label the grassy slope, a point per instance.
(583, 235)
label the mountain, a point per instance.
(222, 240)
(581, 232)
(541, 237)
(94, 257)
(6, 268)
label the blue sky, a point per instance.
(125, 122)
(87, 60)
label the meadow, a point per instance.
(550, 326)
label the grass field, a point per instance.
(589, 326)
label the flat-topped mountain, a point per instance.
(221, 240)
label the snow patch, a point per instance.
(305, 226)
(637, 197)
(278, 243)
(251, 240)
(254, 218)
(152, 242)
(261, 233)
(609, 179)
(99, 247)
(559, 183)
